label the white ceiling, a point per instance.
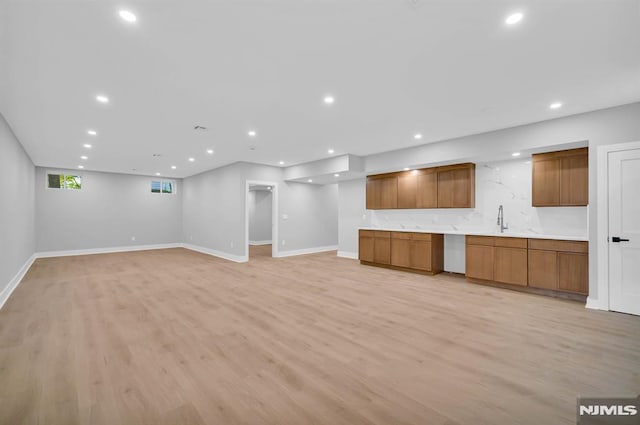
(443, 68)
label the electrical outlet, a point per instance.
(284, 242)
(285, 216)
(231, 244)
(133, 238)
(191, 237)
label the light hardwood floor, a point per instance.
(177, 337)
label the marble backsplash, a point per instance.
(506, 183)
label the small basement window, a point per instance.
(163, 186)
(64, 181)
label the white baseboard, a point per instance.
(259, 242)
(347, 254)
(595, 304)
(110, 250)
(13, 284)
(307, 251)
(215, 253)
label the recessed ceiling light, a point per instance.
(329, 100)
(157, 174)
(417, 136)
(406, 168)
(252, 133)
(192, 159)
(309, 181)
(80, 166)
(331, 151)
(87, 145)
(102, 99)
(210, 151)
(92, 132)
(281, 162)
(336, 175)
(555, 105)
(84, 157)
(173, 167)
(515, 154)
(514, 18)
(127, 16)
(269, 187)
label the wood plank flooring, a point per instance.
(178, 337)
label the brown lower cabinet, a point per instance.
(559, 265)
(411, 251)
(536, 263)
(498, 259)
(375, 246)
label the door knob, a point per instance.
(618, 239)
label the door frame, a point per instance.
(602, 224)
(274, 215)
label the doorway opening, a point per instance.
(261, 212)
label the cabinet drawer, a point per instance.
(508, 242)
(379, 234)
(563, 246)
(421, 236)
(366, 233)
(400, 235)
(480, 240)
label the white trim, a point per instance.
(308, 251)
(259, 242)
(110, 250)
(274, 215)
(13, 283)
(216, 253)
(602, 225)
(347, 254)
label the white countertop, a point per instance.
(506, 234)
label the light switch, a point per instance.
(285, 216)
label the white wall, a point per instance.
(214, 211)
(352, 214)
(107, 212)
(260, 213)
(17, 232)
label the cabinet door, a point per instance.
(574, 180)
(389, 193)
(420, 255)
(543, 269)
(479, 262)
(510, 266)
(382, 248)
(407, 190)
(573, 272)
(546, 182)
(401, 251)
(365, 247)
(373, 193)
(454, 188)
(427, 190)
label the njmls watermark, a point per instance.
(608, 411)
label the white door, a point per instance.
(624, 231)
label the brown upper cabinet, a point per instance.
(457, 186)
(561, 178)
(382, 192)
(438, 187)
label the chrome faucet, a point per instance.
(501, 220)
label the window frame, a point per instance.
(64, 176)
(162, 182)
